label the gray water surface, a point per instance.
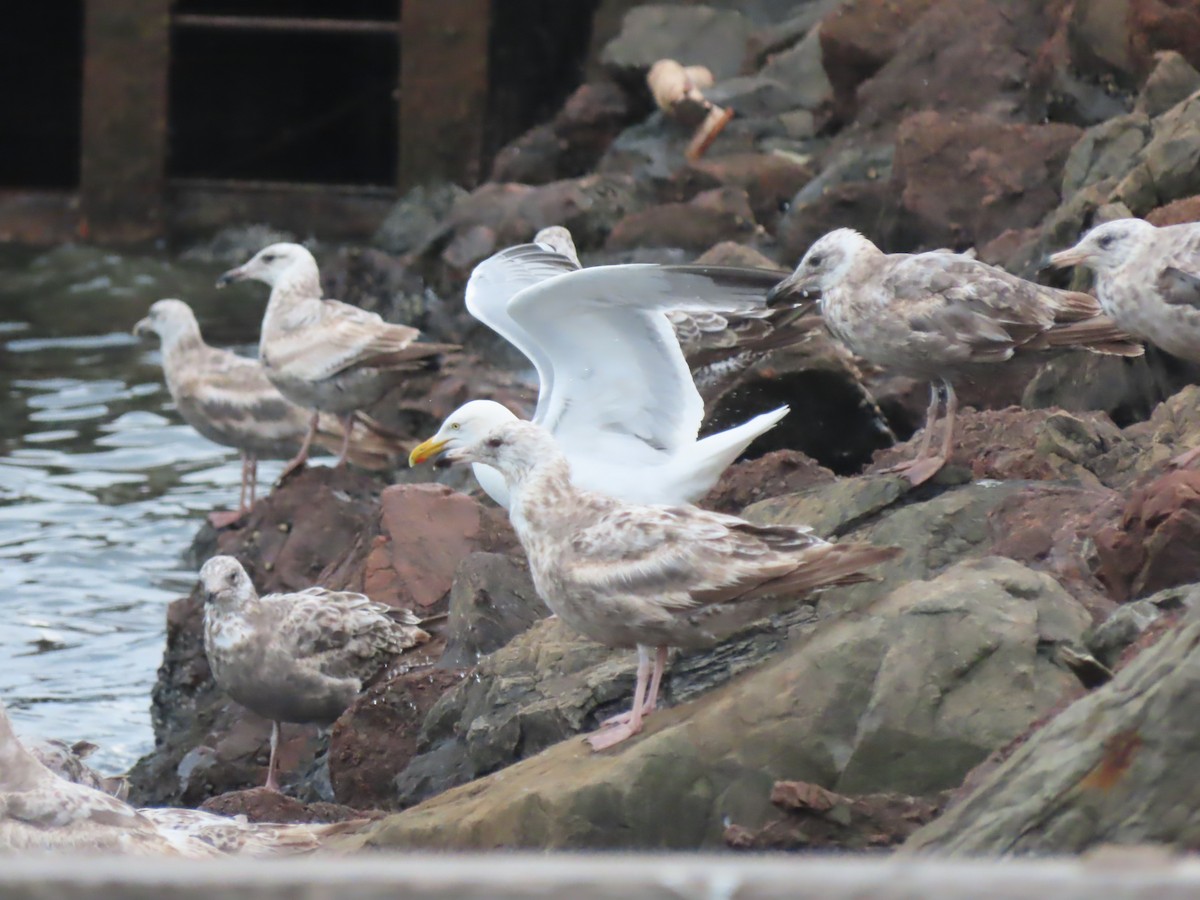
(102, 487)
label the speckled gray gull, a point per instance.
(614, 386)
(229, 400)
(1148, 280)
(937, 315)
(41, 811)
(69, 761)
(650, 577)
(326, 355)
(725, 334)
(299, 657)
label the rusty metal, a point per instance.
(389, 28)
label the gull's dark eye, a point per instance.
(270, 257)
(495, 443)
(814, 261)
(232, 578)
(1106, 241)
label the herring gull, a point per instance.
(326, 355)
(69, 761)
(629, 575)
(300, 657)
(933, 315)
(615, 389)
(42, 811)
(1148, 280)
(229, 400)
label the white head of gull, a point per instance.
(614, 386)
(326, 355)
(933, 315)
(630, 575)
(229, 400)
(298, 657)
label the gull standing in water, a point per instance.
(229, 400)
(326, 355)
(934, 315)
(651, 577)
(300, 657)
(615, 389)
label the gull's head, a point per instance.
(558, 239)
(825, 264)
(1106, 247)
(170, 320)
(225, 582)
(270, 264)
(466, 425)
(513, 449)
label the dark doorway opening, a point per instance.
(41, 68)
(264, 104)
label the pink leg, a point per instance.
(272, 782)
(298, 461)
(922, 467)
(611, 735)
(660, 665)
(224, 518)
(347, 424)
(1183, 460)
(253, 469)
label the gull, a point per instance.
(934, 315)
(614, 386)
(69, 761)
(1148, 280)
(42, 811)
(229, 400)
(299, 657)
(326, 355)
(650, 577)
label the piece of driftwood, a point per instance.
(679, 92)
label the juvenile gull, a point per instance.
(935, 315)
(69, 761)
(630, 575)
(229, 400)
(615, 389)
(42, 811)
(300, 657)
(1148, 280)
(327, 355)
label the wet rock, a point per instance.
(1109, 640)
(964, 178)
(693, 35)
(415, 216)
(1173, 79)
(492, 601)
(975, 637)
(818, 819)
(1154, 545)
(1114, 767)
(376, 738)
(710, 217)
(262, 805)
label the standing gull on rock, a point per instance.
(614, 387)
(1148, 280)
(629, 575)
(935, 315)
(299, 657)
(229, 400)
(327, 355)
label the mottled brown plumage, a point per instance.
(936, 315)
(650, 576)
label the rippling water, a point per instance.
(101, 488)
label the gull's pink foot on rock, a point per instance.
(223, 518)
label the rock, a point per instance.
(818, 819)
(261, 805)
(858, 38)
(1176, 212)
(1114, 767)
(778, 37)
(974, 638)
(1168, 167)
(693, 35)
(376, 281)
(1098, 37)
(492, 601)
(770, 180)
(964, 178)
(1105, 151)
(1173, 79)
(415, 215)
(729, 253)
(1153, 547)
(1163, 25)
(711, 216)
(376, 738)
(234, 245)
(1109, 640)
(775, 474)
(801, 71)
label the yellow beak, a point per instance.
(427, 450)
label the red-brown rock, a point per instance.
(710, 217)
(1176, 212)
(1163, 25)
(261, 805)
(770, 180)
(773, 475)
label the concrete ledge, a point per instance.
(1116, 874)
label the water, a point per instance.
(101, 487)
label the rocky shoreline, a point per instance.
(1019, 680)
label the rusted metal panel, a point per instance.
(201, 206)
(122, 168)
(38, 217)
(443, 89)
(287, 24)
